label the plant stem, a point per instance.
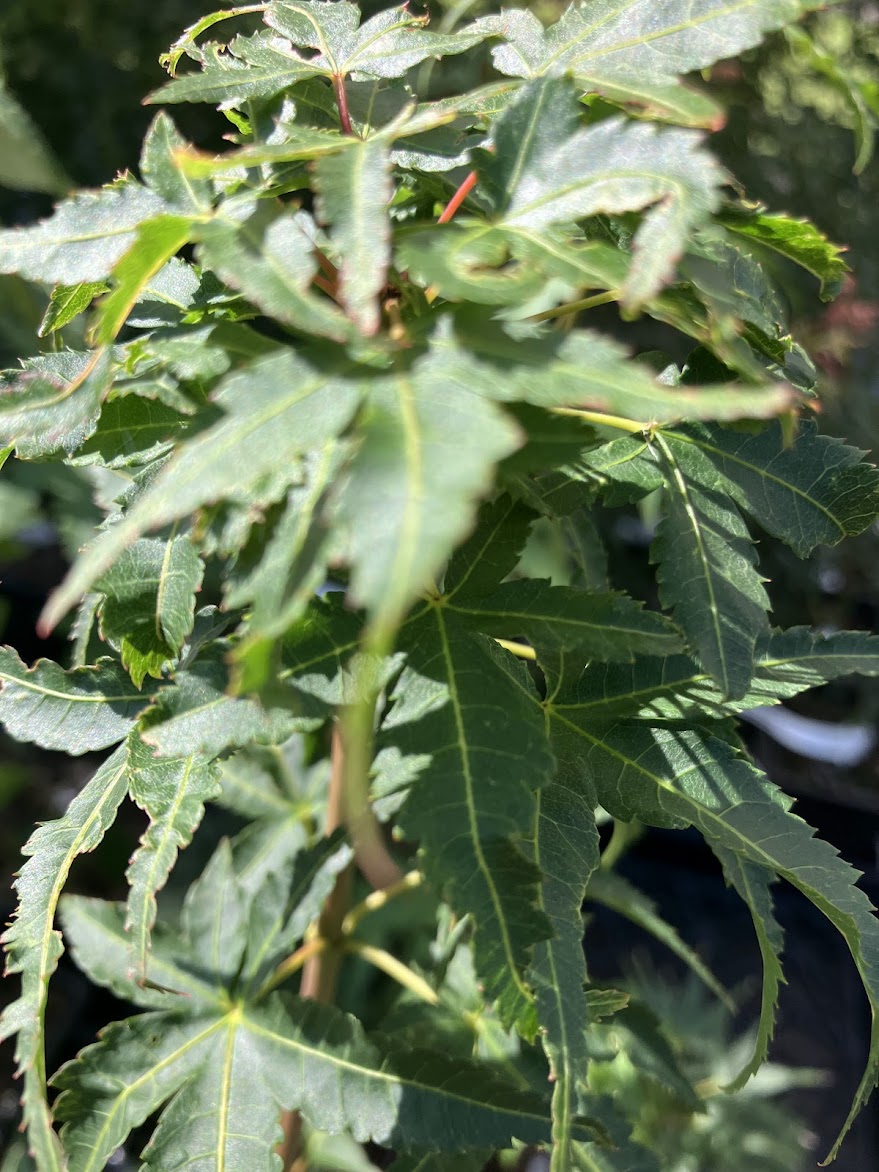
(621, 838)
(377, 899)
(321, 963)
(357, 718)
(394, 968)
(576, 306)
(602, 420)
(342, 103)
(458, 198)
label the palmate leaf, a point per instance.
(613, 166)
(707, 570)
(149, 601)
(34, 946)
(676, 688)
(161, 171)
(275, 410)
(474, 797)
(172, 793)
(427, 455)
(54, 404)
(629, 52)
(564, 618)
(75, 711)
(668, 777)
(230, 1066)
(583, 369)
(131, 430)
(354, 190)
(814, 492)
(753, 884)
(85, 237)
(492, 551)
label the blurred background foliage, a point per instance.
(802, 112)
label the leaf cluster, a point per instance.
(348, 352)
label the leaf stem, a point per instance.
(633, 426)
(293, 963)
(342, 103)
(458, 198)
(377, 899)
(577, 306)
(393, 968)
(623, 835)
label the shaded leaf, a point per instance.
(707, 571)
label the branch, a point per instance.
(458, 198)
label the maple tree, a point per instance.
(340, 370)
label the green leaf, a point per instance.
(197, 715)
(275, 410)
(427, 454)
(492, 551)
(633, 53)
(566, 852)
(581, 369)
(161, 171)
(613, 166)
(54, 406)
(172, 793)
(149, 601)
(615, 892)
(676, 688)
(156, 241)
(565, 618)
(85, 237)
(797, 240)
(707, 570)
(33, 946)
(474, 797)
(753, 884)
(75, 711)
(667, 777)
(267, 254)
(131, 430)
(354, 190)
(387, 45)
(68, 302)
(814, 492)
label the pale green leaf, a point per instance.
(149, 601)
(161, 171)
(613, 166)
(629, 51)
(474, 797)
(156, 241)
(427, 455)
(74, 711)
(354, 190)
(54, 404)
(814, 492)
(32, 943)
(707, 570)
(797, 240)
(172, 793)
(275, 410)
(85, 237)
(131, 430)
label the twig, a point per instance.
(458, 198)
(577, 306)
(342, 103)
